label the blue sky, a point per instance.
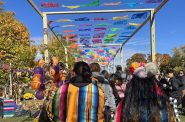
(170, 25)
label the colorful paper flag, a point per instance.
(72, 7)
(120, 17)
(49, 5)
(100, 29)
(96, 40)
(115, 29)
(123, 22)
(94, 3)
(82, 19)
(68, 31)
(103, 24)
(111, 35)
(112, 4)
(87, 29)
(139, 15)
(97, 18)
(84, 34)
(85, 25)
(134, 24)
(64, 20)
(65, 26)
(153, 1)
(130, 27)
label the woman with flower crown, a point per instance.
(144, 100)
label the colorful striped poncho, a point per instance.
(78, 104)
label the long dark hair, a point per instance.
(144, 103)
(81, 68)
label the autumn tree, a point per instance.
(14, 42)
(56, 48)
(15, 48)
(161, 60)
(177, 62)
(138, 57)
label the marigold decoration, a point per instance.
(135, 65)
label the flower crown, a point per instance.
(135, 65)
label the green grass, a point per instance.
(28, 119)
(17, 119)
(182, 118)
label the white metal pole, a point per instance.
(66, 53)
(114, 65)
(152, 34)
(98, 11)
(10, 76)
(121, 57)
(45, 26)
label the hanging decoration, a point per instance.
(134, 24)
(115, 29)
(82, 19)
(49, 5)
(153, 1)
(98, 36)
(68, 31)
(65, 26)
(111, 35)
(139, 15)
(112, 4)
(100, 29)
(108, 40)
(84, 34)
(103, 24)
(96, 40)
(94, 3)
(130, 27)
(85, 25)
(122, 22)
(64, 20)
(87, 29)
(120, 17)
(124, 36)
(71, 7)
(97, 18)
(128, 32)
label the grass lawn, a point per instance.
(17, 119)
(28, 119)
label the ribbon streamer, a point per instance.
(115, 29)
(94, 3)
(65, 26)
(120, 17)
(71, 7)
(49, 5)
(87, 29)
(97, 18)
(68, 31)
(112, 4)
(153, 1)
(82, 19)
(139, 15)
(64, 20)
(123, 22)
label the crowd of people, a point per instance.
(88, 93)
